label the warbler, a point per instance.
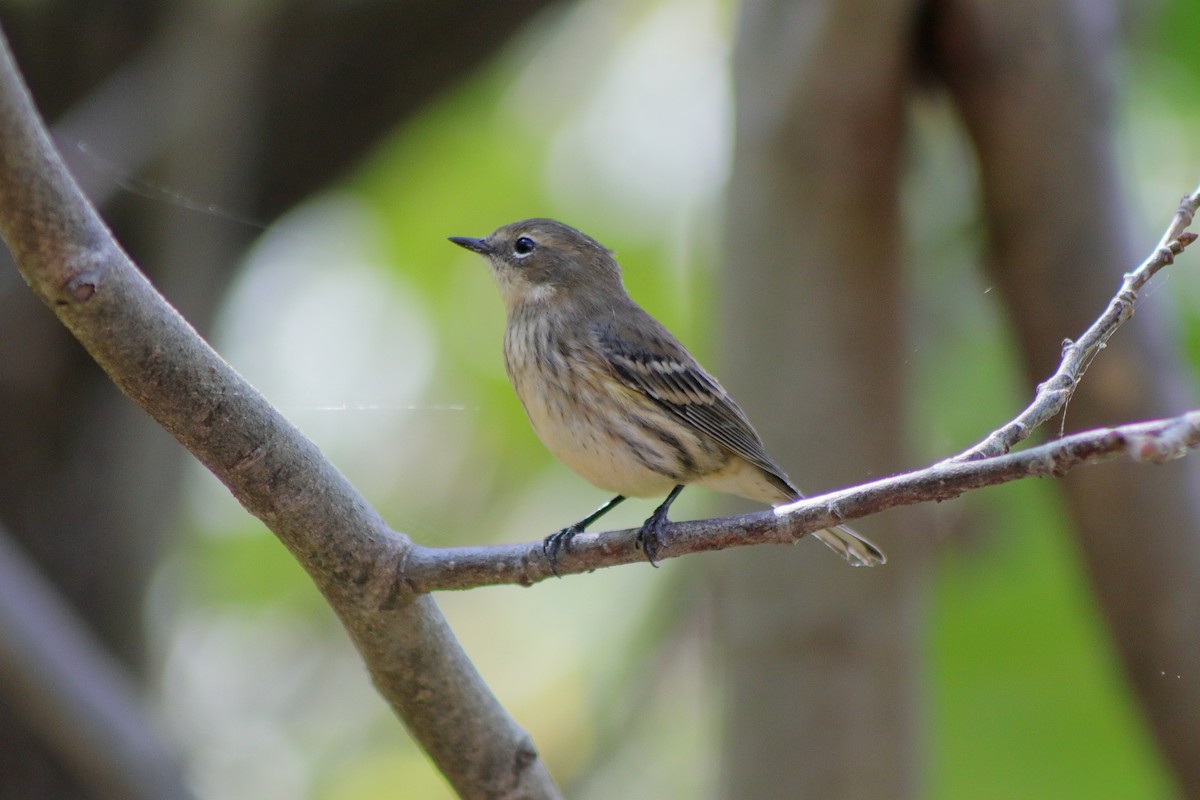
(614, 396)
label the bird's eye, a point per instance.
(523, 246)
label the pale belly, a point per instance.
(617, 454)
(612, 436)
(612, 451)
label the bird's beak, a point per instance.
(480, 246)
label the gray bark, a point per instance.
(823, 664)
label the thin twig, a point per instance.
(1054, 393)
(430, 569)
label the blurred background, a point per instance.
(287, 173)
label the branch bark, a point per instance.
(71, 262)
(1055, 392)
(1153, 442)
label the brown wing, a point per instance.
(647, 358)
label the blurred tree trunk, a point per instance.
(823, 665)
(1035, 85)
(245, 107)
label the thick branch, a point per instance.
(373, 577)
(429, 569)
(70, 260)
(1053, 394)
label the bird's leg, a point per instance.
(562, 539)
(649, 537)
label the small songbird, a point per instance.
(613, 395)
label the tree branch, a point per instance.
(430, 569)
(1053, 394)
(374, 578)
(72, 263)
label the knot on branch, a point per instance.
(1060, 383)
(1165, 254)
(83, 268)
(1186, 210)
(79, 288)
(1167, 444)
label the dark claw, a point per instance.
(552, 543)
(649, 537)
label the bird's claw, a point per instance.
(556, 541)
(649, 537)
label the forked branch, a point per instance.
(985, 464)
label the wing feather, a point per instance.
(651, 361)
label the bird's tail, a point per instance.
(855, 548)
(859, 551)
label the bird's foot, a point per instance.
(559, 541)
(649, 536)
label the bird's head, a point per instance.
(536, 259)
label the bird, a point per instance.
(614, 396)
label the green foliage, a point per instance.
(1172, 42)
(250, 570)
(1029, 701)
